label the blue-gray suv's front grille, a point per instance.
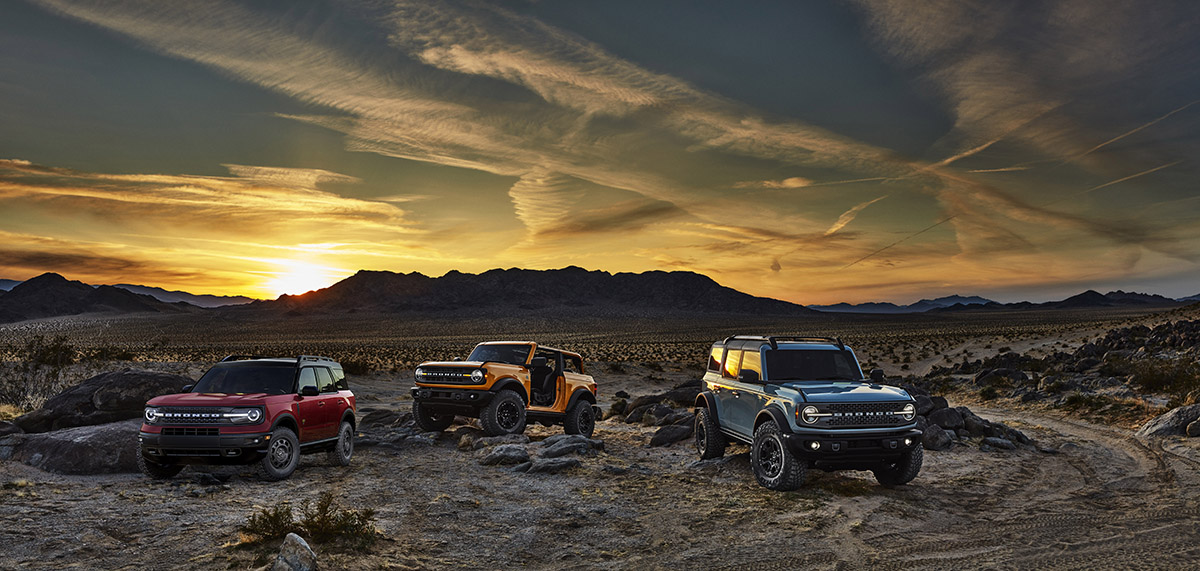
(865, 414)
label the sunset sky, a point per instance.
(810, 151)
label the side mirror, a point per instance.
(458, 358)
(309, 391)
(538, 362)
(748, 376)
(877, 375)
(187, 388)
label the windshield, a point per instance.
(231, 378)
(812, 365)
(513, 354)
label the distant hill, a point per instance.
(918, 307)
(199, 300)
(51, 295)
(1085, 300)
(571, 290)
(6, 285)
(1189, 298)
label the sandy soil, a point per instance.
(1094, 497)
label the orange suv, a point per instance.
(505, 384)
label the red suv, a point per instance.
(251, 409)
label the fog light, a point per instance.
(814, 445)
(907, 442)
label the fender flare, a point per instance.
(348, 416)
(287, 418)
(708, 400)
(580, 393)
(773, 413)
(511, 383)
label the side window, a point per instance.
(752, 361)
(714, 358)
(325, 380)
(308, 378)
(732, 360)
(572, 364)
(339, 379)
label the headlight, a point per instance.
(152, 414)
(477, 376)
(810, 414)
(420, 372)
(908, 412)
(244, 415)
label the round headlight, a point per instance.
(151, 415)
(420, 372)
(253, 415)
(809, 414)
(908, 412)
(477, 376)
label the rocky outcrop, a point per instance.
(1173, 423)
(104, 398)
(101, 449)
(671, 434)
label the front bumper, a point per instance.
(238, 448)
(473, 398)
(833, 449)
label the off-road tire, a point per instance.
(429, 421)
(343, 449)
(504, 415)
(283, 455)
(581, 419)
(154, 469)
(710, 443)
(773, 465)
(903, 470)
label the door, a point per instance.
(331, 405)
(310, 411)
(737, 399)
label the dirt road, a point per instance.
(1103, 500)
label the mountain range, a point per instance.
(51, 295)
(1087, 299)
(888, 307)
(168, 296)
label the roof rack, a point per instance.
(774, 339)
(302, 358)
(242, 358)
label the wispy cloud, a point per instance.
(849, 215)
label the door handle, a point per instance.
(322, 403)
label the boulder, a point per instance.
(558, 438)
(939, 403)
(1173, 423)
(373, 416)
(636, 413)
(566, 447)
(946, 418)
(498, 440)
(994, 442)
(505, 454)
(104, 398)
(924, 404)
(683, 396)
(101, 449)
(9, 428)
(936, 439)
(1193, 429)
(670, 434)
(295, 555)
(621, 395)
(548, 465)
(975, 425)
(656, 413)
(618, 407)
(646, 400)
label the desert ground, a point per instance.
(1087, 495)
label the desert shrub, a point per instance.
(107, 353)
(988, 393)
(321, 522)
(55, 353)
(1172, 376)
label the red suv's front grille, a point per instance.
(193, 415)
(190, 431)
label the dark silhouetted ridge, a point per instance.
(51, 295)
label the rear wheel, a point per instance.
(774, 466)
(156, 470)
(430, 421)
(344, 448)
(581, 419)
(283, 455)
(504, 415)
(710, 443)
(903, 470)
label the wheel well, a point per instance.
(287, 421)
(771, 414)
(512, 385)
(349, 417)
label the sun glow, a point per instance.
(297, 277)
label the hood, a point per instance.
(847, 391)
(459, 364)
(209, 399)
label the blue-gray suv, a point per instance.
(800, 403)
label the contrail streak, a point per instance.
(1128, 133)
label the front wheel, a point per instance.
(283, 455)
(710, 443)
(344, 448)
(156, 470)
(581, 419)
(430, 421)
(504, 415)
(774, 466)
(903, 470)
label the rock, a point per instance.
(936, 439)
(621, 395)
(922, 423)
(656, 413)
(637, 413)
(295, 555)
(104, 398)
(551, 465)
(377, 416)
(679, 418)
(498, 440)
(1002, 443)
(683, 396)
(618, 407)
(505, 454)
(566, 447)
(645, 400)
(924, 404)
(975, 425)
(939, 403)
(1173, 423)
(670, 434)
(1085, 364)
(101, 449)
(1193, 429)
(716, 465)
(9, 428)
(697, 383)
(946, 418)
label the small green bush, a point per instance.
(321, 522)
(270, 523)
